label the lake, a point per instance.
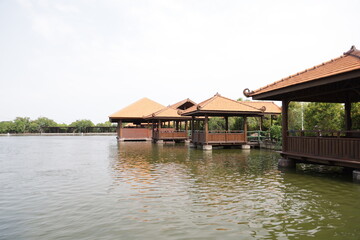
(95, 188)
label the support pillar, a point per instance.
(226, 123)
(284, 112)
(207, 147)
(286, 163)
(356, 176)
(245, 128)
(206, 128)
(192, 127)
(348, 122)
(119, 131)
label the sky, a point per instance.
(86, 59)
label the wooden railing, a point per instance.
(219, 137)
(330, 144)
(170, 134)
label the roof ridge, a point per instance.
(207, 101)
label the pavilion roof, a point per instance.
(168, 113)
(137, 110)
(348, 62)
(270, 107)
(184, 104)
(221, 106)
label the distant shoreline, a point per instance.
(56, 134)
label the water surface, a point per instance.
(95, 188)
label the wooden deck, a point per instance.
(219, 138)
(334, 148)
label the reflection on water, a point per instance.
(95, 188)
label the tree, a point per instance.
(324, 116)
(355, 116)
(81, 125)
(43, 122)
(105, 124)
(22, 124)
(7, 127)
(296, 118)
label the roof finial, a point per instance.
(353, 48)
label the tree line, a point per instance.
(41, 124)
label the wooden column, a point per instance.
(192, 127)
(284, 113)
(226, 123)
(261, 122)
(119, 129)
(206, 128)
(348, 122)
(245, 128)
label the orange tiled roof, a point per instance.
(179, 104)
(349, 61)
(270, 107)
(138, 109)
(166, 113)
(222, 104)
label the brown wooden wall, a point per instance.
(136, 133)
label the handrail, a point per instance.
(323, 133)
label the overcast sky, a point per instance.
(86, 59)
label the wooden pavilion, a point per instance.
(135, 114)
(219, 106)
(168, 125)
(335, 81)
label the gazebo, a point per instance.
(135, 113)
(219, 106)
(335, 81)
(168, 125)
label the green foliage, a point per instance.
(296, 111)
(324, 116)
(7, 127)
(81, 125)
(355, 115)
(22, 125)
(276, 132)
(216, 123)
(105, 124)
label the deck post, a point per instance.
(226, 123)
(348, 122)
(206, 130)
(284, 112)
(245, 128)
(192, 128)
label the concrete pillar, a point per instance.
(187, 142)
(245, 147)
(207, 147)
(160, 141)
(356, 176)
(286, 163)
